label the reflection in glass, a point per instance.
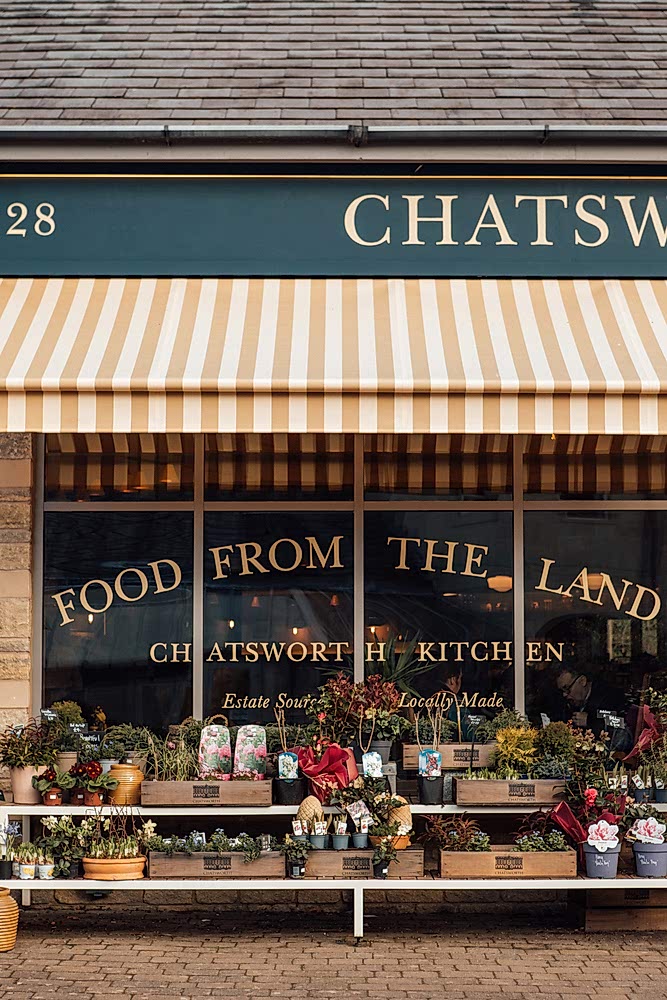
(593, 591)
(446, 580)
(278, 610)
(102, 657)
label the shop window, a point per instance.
(119, 467)
(278, 610)
(118, 613)
(590, 467)
(439, 596)
(593, 612)
(279, 466)
(446, 466)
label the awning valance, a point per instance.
(335, 355)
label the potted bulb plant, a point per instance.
(26, 856)
(26, 750)
(383, 854)
(51, 784)
(9, 834)
(115, 848)
(45, 865)
(295, 853)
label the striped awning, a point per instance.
(333, 355)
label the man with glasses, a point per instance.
(593, 700)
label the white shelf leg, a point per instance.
(358, 911)
(25, 837)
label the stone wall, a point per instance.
(16, 510)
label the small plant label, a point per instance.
(430, 763)
(288, 765)
(372, 765)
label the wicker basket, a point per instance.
(9, 920)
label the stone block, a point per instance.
(15, 516)
(15, 694)
(15, 583)
(15, 644)
(15, 555)
(16, 446)
(14, 667)
(14, 616)
(15, 473)
(211, 896)
(12, 717)
(175, 897)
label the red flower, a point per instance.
(590, 797)
(93, 769)
(321, 716)
(49, 774)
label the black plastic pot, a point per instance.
(5, 869)
(296, 869)
(75, 870)
(381, 870)
(289, 791)
(430, 790)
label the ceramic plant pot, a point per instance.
(650, 860)
(107, 764)
(92, 798)
(114, 869)
(128, 790)
(26, 871)
(45, 871)
(22, 790)
(54, 797)
(599, 864)
(66, 759)
(77, 797)
(9, 920)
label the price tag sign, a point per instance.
(78, 727)
(48, 715)
(474, 720)
(94, 739)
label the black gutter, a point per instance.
(355, 135)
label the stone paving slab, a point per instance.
(141, 956)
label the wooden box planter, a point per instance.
(501, 793)
(212, 865)
(206, 793)
(359, 864)
(503, 862)
(455, 756)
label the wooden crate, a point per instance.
(455, 756)
(359, 864)
(213, 865)
(626, 909)
(206, 793)
(524, 790)
(502, 862)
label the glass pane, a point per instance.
(117, 618)
(595, 468)
(278, 610)
(444, 580)
(279, 466)
(119, 467)
(448, 466)
(593, 594)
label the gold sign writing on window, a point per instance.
(632, 599)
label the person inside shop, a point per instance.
(592, 699)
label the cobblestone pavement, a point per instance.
(126, 956)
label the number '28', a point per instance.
(43, 223)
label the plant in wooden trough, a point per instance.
(295, 853)
(456, 833)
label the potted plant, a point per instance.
(430, 781)
(65, 841)
(380, 723)
(602, 849)
(25, 750)
(383, 854)
(45, 865)
(95, 782)
(26, 855)
(114, 848)
(131, 742)
(389, 814)
(648, 845)
(111, 752)
(52, 783)
(295, 853)
(288, 789)
(9, 836)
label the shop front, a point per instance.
(260, 431)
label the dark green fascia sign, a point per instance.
(339, 226)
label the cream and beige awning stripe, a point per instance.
(334, 355)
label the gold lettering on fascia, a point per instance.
(631, 599)
(436, 225)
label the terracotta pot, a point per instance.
(92, 798)
(398, 843)
(54, 797)
(113, 869)
(128, 792)
(66, 759)
(9, 920)
(77, 797)
(22, 790)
